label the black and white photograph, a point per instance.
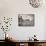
(26, 19)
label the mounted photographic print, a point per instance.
(26, 19)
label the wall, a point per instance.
(11, 8)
